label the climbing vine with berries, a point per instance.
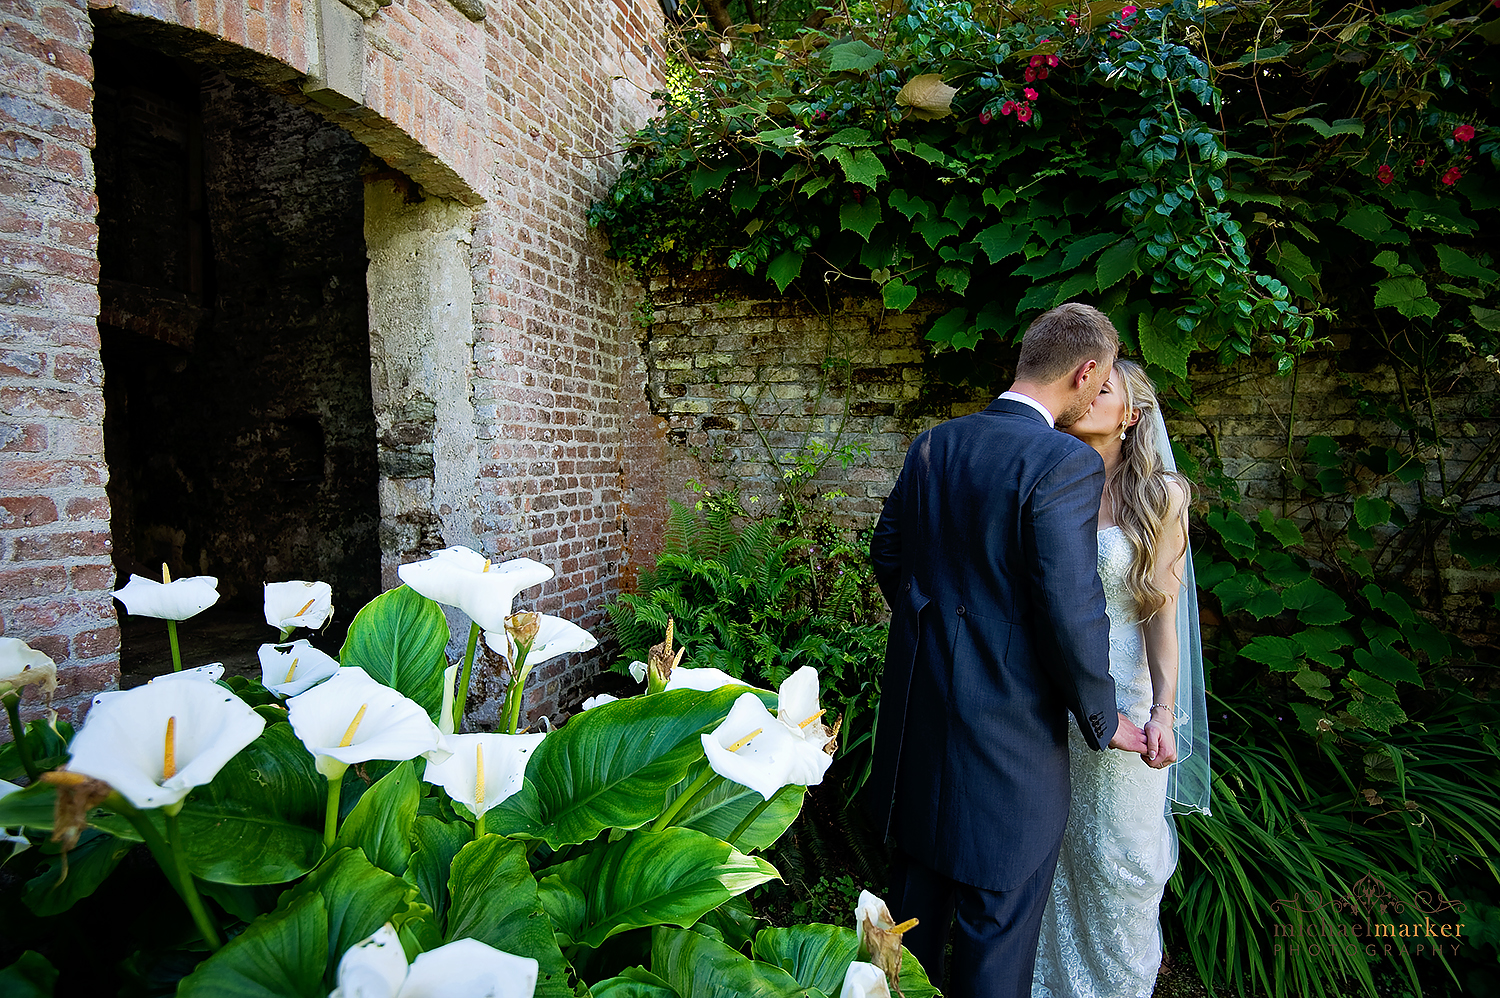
(1196, 170)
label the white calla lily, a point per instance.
(598, 700)
(752, 748)
(351, 718)
(865, 980)
(298, 604)
(879, 937)
(870, 908)
(210, 673)
(157, 742)
(797, 707)
(462, 577)
(22, 665)
(175, 600)
(555, 636)
(703, 680)
(465, 968)
(293, 668)
(484, 769)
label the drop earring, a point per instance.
(1122, 434)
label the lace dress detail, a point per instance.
(1101, 935)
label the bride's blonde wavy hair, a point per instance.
(1138, 490)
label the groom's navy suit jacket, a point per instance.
(987, 552)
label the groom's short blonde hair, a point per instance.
(1058, 341)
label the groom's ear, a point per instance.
(1084, 372)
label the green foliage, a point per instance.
(399, 638)
(575, 867)
(611, 767)
(1302, 840)
(671, 877)
(750, 601)
(1094, 158)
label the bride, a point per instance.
(1101, 936)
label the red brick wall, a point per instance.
(547, 350)
(54, 517)
(516, 115)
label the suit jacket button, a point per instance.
(961, 611)
(908, 587)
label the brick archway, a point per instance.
(493, 311)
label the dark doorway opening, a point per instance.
(239, 430)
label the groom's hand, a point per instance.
(1128, 738)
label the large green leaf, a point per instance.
(784, 269)
(610, 767)
(860, 216)
(31, 976)
(381, 822)
(494, 900)
(897, 294)
(437, 842)
(1387, 663)
(399, 639)
(1281, 654)
(62, 882)
(696, 965)
(1115, 263)
(861, 166)
(853, 56)
(1408, 295)
(1315, 605)
(1368, 222)
(721, 810)
(1164, 344)
(1003, 239)
(281, 955)
(671, 877)
(1460, 264)
(818, 956)
(32, 807)
(633, 982)
(357, 897)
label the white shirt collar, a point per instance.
(1018, 397)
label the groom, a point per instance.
(987, 554)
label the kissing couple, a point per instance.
(1034, 574)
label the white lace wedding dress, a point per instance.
(1101, 936)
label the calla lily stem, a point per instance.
(331, 818)
(705, 782)
(18, 734)
(479, 827)
(176, 653)
(755, 813)
(517, 688)
(186, 886)
(173, 863)
(463, 678)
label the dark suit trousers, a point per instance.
(995, 933)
